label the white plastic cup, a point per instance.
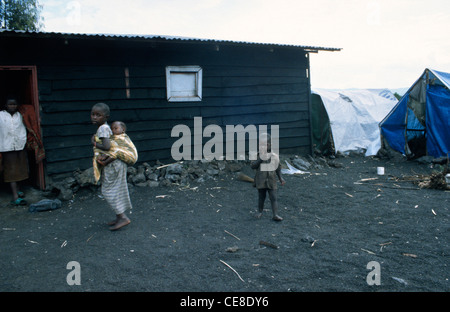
(380, 170)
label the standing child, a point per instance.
(13, 138)
(266, 180)
(114, 185)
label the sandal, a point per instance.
(18, 202)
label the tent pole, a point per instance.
(427, 81)
(308, 76)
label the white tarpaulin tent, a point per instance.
(354, 116)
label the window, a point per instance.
(184, 83)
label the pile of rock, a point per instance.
(145, 175)
(180, 173)
(310, 163)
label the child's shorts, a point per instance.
(15, 166)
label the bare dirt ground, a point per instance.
(187, 238)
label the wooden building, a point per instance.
(153, 83)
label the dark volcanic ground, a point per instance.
(181, 237)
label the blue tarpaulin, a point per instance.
(438, 120)
(423, 112)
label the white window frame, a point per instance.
(192, 70)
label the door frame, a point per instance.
(35, 102)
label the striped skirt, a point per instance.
(115, 187)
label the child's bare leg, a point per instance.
(261, 199)
(274, 202)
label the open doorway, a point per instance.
(22, 82)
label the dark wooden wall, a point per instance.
(242, 84)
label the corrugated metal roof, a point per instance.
(155, 38)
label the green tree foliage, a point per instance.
(21, 15)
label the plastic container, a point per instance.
(380, 170)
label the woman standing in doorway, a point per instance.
(13, 138)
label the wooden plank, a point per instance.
(94, 83)
(160, 82)
(66, 106)
(278, 89)
(211, 68)
(227, 82)
(68, 165)
(251, 109)
(145, 103)
(99, 94)
(63, 119)
(62, 142)
(83, 142)
(226, 56)
(68, 153)
(265, 119)
(252, 71)
(149, 114)
(102, 95)
(81, 71)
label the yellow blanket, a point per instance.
(121, 148)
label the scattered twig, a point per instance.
(232, 235)
(383, 245)
(400, 280)
(391, 187)
(232, 270)
(163, 166)
(409, 255)
(368, 179)
(368, 251)
(401, 188)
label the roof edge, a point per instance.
(41, 34)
